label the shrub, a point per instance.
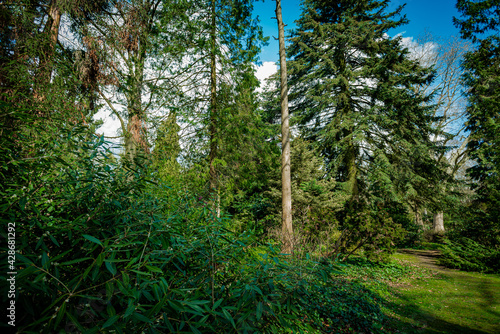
(101, 248)
(466, 254)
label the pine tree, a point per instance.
(227, 40)
(481, 24)
(353, 92)
(138, 46)
(167, 147)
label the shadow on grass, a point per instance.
(406, 317)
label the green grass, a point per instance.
(423, 300)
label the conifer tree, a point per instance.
(227, 40)
(167, 147)
(480, 24)
(353, 92)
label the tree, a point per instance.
(316, 198)
(167, 147)
(480, 24)
(446, 57)
(226, 42)
(138, 46)
(354, 92)
(287, 229)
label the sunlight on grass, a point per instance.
(452, 302)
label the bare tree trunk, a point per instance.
(438, 223)
(418, 217)
(287, 229)
(213, 115)
(51, 30)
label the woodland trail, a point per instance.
(454, 301)
(428, 259)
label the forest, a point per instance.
(227, 204)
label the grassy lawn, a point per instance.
(442, 301)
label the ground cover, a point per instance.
(422, 297)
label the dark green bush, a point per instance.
(466, 254)
(100, 248)
(340, 306)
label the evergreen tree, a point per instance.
(246, 156)
(226, 42)
(315, 197)
(167, 147)
(480, 23)
(138, 46)
(353, 92)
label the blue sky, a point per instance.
(434, 16)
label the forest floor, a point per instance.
(447, 301)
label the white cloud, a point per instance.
(424, 52)
(264, 71)
(110, 126)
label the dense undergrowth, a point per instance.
(466, 254)
(102, 249)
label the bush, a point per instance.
(100, 248)
(466, 254)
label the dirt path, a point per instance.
(453, 302)
(427, 258)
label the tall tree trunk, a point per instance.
(286, 188)
(352, 172)
(438, 223)
(135, 136)
(418, 217)
(213, 114)
(52, 30)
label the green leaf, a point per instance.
(91, 238)
(141, 272)
(54, 240)
(60, 314)
(259, 310)
(110, 321)
(154, 269)
(228, 317)
(45, 260)
(194, 329)
(217, 303)
(111, 267)
(142, 318)
(130, 309)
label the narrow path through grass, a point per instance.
(452, 301)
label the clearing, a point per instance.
(449, 301)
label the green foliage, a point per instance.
(316, 197)
(352, 94)
(480, 24)
(340, 306)
(167, 148)
(100, 251)
(466, 254)
(370, 228)
(363, 269)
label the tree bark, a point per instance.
(287, 228)
(52, 29)
(135, 136)
(438, 223)
(213, 114)
(418, 217)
